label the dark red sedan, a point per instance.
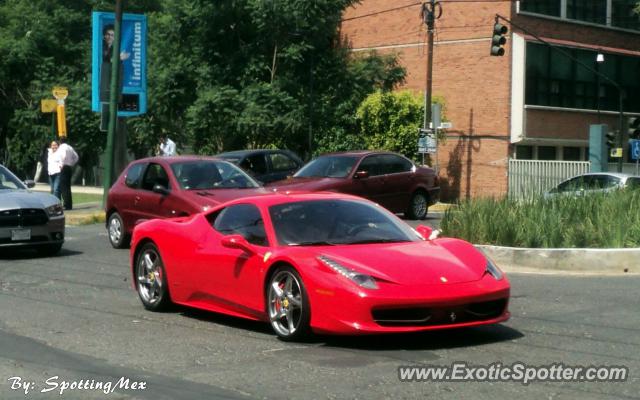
(389, 179)
(166, 187)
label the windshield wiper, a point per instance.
(313, 243)
(367, 241)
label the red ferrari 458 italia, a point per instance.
(316, 262)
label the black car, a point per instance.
(266, 165)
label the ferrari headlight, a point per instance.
(493, 270)
(55, 210)
(363, 280)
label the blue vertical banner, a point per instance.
(132, 96)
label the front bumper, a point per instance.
(395, 308)
(51, 232)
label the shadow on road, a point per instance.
(433, 340)
(28, 253)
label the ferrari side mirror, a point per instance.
(427, 232)
(237, 242)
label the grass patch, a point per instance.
(79, 198)
(609, 220)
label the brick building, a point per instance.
(534, 102)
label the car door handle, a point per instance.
(136, 200)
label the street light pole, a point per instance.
(113, 102)
(429, 17)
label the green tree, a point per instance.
(255, 73)
(45, 44)
(391, 120)
(221, 75)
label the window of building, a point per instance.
(546, 7)
(524, 152)
(623, 15)
(556, 80)
(546, 153)
(571, 153)
(591, 11)
(588, 11)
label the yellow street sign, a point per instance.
(60, 92)
(48, 105)
(616, 152)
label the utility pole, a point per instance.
(429, 17)
(113, 102)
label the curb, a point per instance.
(440, 207)
(84, 218)
(601, 261)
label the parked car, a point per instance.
(265, 165)
(165, 187)
(316, 262)
(596, 182)
(29, 219)
(388, 179)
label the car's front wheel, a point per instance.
(288, 304)
(118, 236)
(418, 206)
(151, 279)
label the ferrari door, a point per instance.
(231, 278)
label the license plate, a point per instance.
(21, 234)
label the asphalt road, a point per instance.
(75, 317)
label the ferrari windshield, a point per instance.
(333, 222)
(211, 174)
(328, 167)
(9, 180)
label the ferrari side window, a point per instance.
(244, 220)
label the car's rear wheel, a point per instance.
(288, 304)
(117, 233)
(418, 206)
(151, 279)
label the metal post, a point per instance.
(621, 123)
(113, 102)
(428, 14)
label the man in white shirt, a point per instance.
(167, 146)
(68, 157)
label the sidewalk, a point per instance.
(83, 213)
(44, 187)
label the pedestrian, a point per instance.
(54, 167)
(68, 158)
(167, 146)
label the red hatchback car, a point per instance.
(389, 179)
(165, 187)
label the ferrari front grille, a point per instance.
(429, 316)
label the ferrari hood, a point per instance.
(415, 263)
(14, 199)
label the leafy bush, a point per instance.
(610, 220)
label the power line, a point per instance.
(381, 12)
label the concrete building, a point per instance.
(535, 102)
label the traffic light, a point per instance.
(498, 40)
(611, 139)
(633, 127)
